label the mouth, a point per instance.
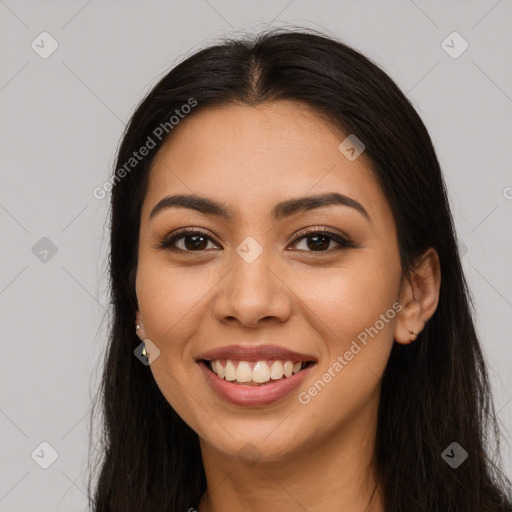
(254, 383)
(259, 373)
(254, 375)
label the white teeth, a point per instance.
(243, 372)
(288, 369)
(229, 371)
(276, 370)
(259, 373)
(220, 370)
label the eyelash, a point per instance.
(343, 241)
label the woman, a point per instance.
(291, 324)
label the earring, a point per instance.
(412, 332)
(144, 353)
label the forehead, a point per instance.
(247, 156)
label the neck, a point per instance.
(327, 476)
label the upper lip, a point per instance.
(255, 353)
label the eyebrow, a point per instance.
(279, 211)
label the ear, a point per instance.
(419, 296)
(138, 321)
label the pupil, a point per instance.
(321, 245)
(194, 244)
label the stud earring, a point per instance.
(137, 327)
(412, 332)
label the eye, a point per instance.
(193, 240)
(321, 239)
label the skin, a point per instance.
(313, 456)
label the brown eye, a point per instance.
(186, 241)
(319, 240)
(194, 242)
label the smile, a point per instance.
(244, 389)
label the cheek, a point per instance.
(354, 315)
(171, 300)
(347, 302)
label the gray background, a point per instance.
(61, 120)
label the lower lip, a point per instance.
(240, 394)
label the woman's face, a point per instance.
(254, 279)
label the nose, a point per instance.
(253, 295)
